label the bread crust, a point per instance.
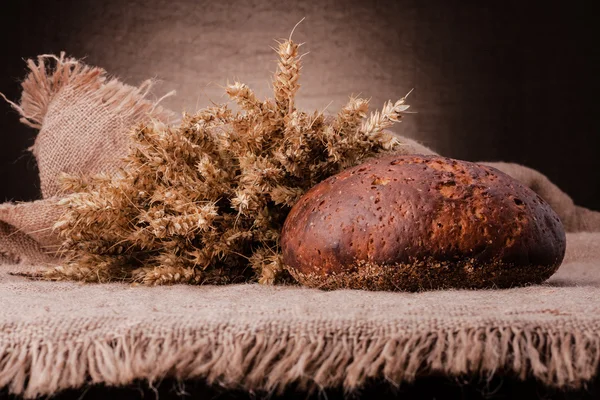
(392, 222)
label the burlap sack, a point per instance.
(83, 117)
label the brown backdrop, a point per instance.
(492, 80)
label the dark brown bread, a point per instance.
(421, 222)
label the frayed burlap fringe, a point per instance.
(273, 361)
(45, 81)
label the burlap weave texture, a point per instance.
(59, 335)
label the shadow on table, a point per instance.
(424, 388)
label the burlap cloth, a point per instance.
(59, 335)
(64, 335)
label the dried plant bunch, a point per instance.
(205, 201)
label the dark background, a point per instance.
(429, 388)
(511, 80)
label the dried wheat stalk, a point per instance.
(204, 202)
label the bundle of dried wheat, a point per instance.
(204, 201)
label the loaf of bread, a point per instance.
(421, 222)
